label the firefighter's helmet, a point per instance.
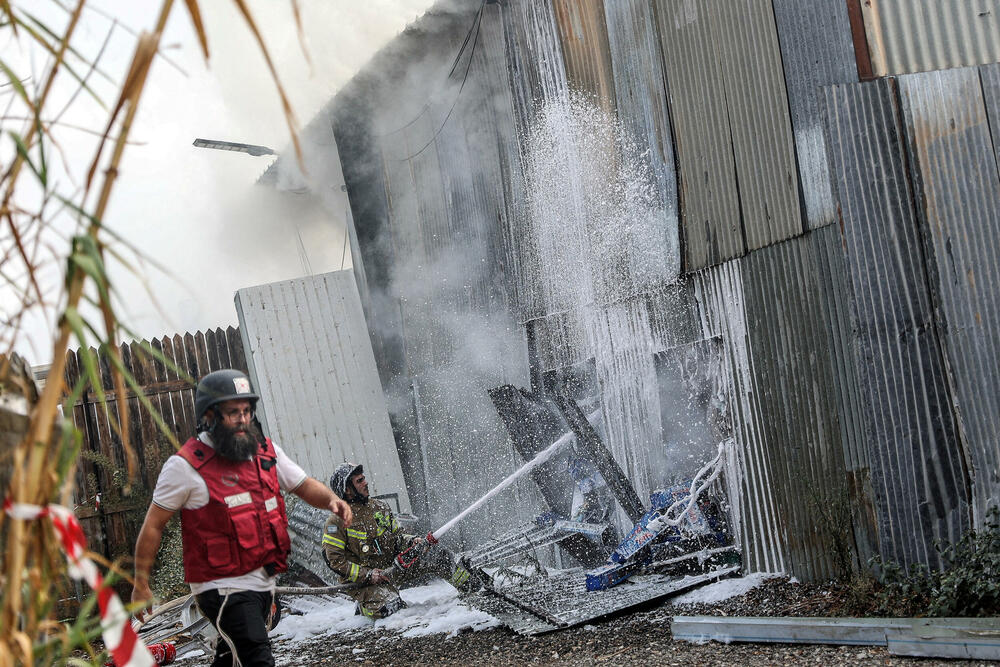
(220, 386)
(340, 477)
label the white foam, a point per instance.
(431, 609)
(724, 589)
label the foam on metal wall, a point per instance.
(918, 36)
(314, 369)
(816, 50)
(955, 177)
(584, 37)
(917, 474)
(640, 89)
(718, 291)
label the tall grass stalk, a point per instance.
(42, 465)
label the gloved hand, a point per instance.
(378, 577)
(419, 543)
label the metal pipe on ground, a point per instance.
(970, 638)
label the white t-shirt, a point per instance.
(180, 486)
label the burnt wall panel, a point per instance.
(816, 50)
(955, 177)
(917, 474)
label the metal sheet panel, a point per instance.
(955, 178)
(816, 50)
(640, 89)
(798, 361)
(919, 36)
(584, 37)
(747, 42)
(313, 366)
(305, 528)
(916, 462)
(751, 478)
(990, 76)
(708, 195)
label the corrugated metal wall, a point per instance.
(816, 50)
(918, 36)
(857, 354)
(310, 358)
(955, 178)
(917, 471)
(708, 193)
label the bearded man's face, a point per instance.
(235, 435)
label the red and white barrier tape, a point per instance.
(119, 637)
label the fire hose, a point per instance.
(406, 559)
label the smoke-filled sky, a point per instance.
(197, 211)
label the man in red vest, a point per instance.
(228, 485)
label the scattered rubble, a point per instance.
(640, 637)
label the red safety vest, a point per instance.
(244, 525)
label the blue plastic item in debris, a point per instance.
(694, 522)
(610, 575)
(632, 554)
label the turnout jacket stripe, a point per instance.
(372, 541)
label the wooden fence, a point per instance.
(111, 518)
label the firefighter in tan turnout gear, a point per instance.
(365, 551)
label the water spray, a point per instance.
(404, 562)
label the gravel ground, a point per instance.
(639, 637)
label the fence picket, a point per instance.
(113, 527)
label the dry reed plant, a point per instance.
(42, 466)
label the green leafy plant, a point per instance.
(968, 584)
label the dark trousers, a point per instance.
(245, 620)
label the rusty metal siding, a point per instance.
(640, 89)
(763, 146)
(921, 35)
(917, 472)
(708, 196)
(955, 178)
(816, 50)
(584, 37)
(798, 364)
(312, 363)
(833, 285)
(738, 178)
(718, 291)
